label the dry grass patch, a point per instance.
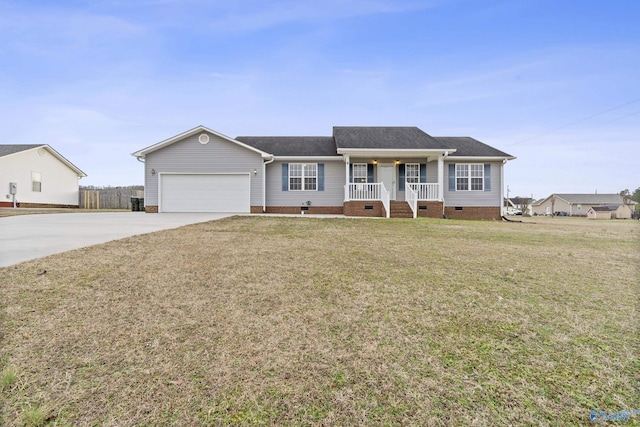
(304, 321)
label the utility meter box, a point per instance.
(13, 188)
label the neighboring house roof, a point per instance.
(591, 199)
(8, 149)
(5, 150)
(469, 147)
(292, 145)
(519, 200)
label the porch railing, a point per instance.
(425, 191)
(411, 197)
(365, 191)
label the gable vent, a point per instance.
(203, 138)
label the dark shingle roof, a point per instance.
(385, 137)
(367, 138)
(292, 145)
(468, 147)
(7, 149)
(592, 199)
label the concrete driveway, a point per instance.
(27, 237)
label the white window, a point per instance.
(303, 176)
(36, 182)
(412, 173)
(360, 172)
(469, 177)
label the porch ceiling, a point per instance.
(431, 154)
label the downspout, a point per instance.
(502, 213)
(142, 160)
(444, 156)
(264, 182)
(346, 185)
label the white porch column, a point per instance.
(441, 177)
(346, 178)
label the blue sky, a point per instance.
(555, 83)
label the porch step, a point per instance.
(400, 209)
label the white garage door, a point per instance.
(205, 193)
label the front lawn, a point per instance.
(311, 321)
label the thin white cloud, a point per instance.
(255, 15)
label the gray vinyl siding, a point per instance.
(474, 198)
(333, 194)
(432, 175)
(189, 156)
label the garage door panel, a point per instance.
(205, 193)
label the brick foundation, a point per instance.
(430, 209)
(472, 212)
(359, 209)
(37, 205)
(311, 210)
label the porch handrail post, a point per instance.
(411, 197)
(346, 179)
(385, 196)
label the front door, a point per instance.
(387, 175)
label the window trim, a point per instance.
(36, 178)
(406, 173)
(365, 167)
(303, 176)
(471, 174)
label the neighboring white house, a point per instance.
(37, 176)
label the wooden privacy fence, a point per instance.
(109, 197)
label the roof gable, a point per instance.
(158, 146)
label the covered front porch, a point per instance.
(413, 181)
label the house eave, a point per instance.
(150, 149)
(481, 158)
(387, 152)
(309, 158)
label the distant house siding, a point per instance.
(189, 156)
(59, 182)
(623, 212)
(490, 198)
(332, 195)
